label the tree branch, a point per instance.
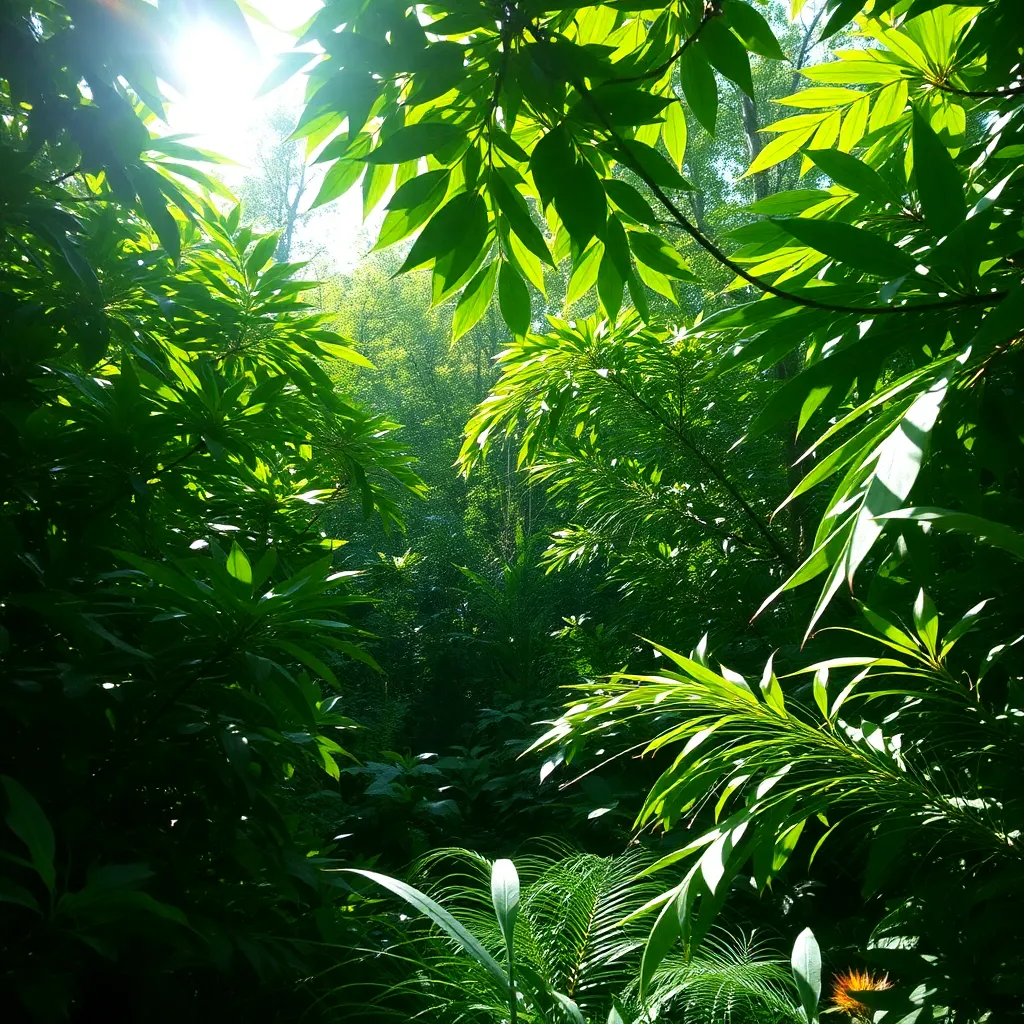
(541, 35)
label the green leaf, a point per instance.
(29, 823)
(414, 141)
(552, 162)
(514, 207)
(580, 202)
(584, 276)
(820, 690)
(474, 300)
(609, 286)
(818, 98)
(996, 534)
(411, 205)
(629, 200)
(699, 87)
(619, 105)
(11, 892)
(782, 147)
(674, 134)
(261, 254)
(853, 246)
(505, 897)
(854, 174)
(463, 216)
(514, 299)
(343, 174)
(806, 964)
(426, 906)
(939, 185)
(1002, 323)
(238, 564)
(657, 253)
(842, 13)
(794, 201)
(926, 622)
(663, 937)
(649, 163)
(726, 53)
(751, 29)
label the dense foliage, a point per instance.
(676, 374)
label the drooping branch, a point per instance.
(682, 221)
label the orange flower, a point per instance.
(847, 986)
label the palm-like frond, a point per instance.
(578, 937)
(733, 979)
(572, 918)
(767, 765)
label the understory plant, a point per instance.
(554, 948)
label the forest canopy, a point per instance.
(364, 632)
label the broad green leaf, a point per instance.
(674, 134)
(429, 908)
(551, 162)
(854, 124)
(620, 105)
(726, 53)
(817, 98)
(288, 66)
(514, 299)
(1002, 323)
(657, 253)
(782, 147)
(699, 87)
(854, 174)
(899, 461)
(465, 215)
(514, 207)
(474, 300)
(795, 201)
(238, 564)
(27, 820)
(942, 191)
(806, 963)
(854, 72)
(584, 276)
(411, 205)
(580, 202)
(341, 176)
(649, 163)
(855, 247)
(751, 29)
(962, 628)
(629, 200)
(609, 287)
(664, 935)
(889, 104)
(415, 140)
(840, 14)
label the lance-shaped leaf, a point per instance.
(856, 247)
(433, 910)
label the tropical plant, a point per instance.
(554, 949)
(909, 759)
(174, 622)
